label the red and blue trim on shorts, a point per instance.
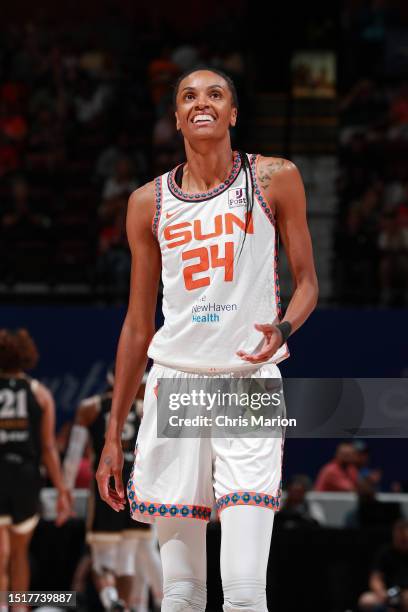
(249, 498)
(253, 498)
(149, 509)
(238, 498)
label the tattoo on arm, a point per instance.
(108, 460)
(265, 173)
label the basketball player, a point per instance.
(124, 558)
(211, 227)
(27, 422)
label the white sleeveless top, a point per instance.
(212, 296)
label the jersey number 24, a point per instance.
(209, 257)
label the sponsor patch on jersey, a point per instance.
(236, 197)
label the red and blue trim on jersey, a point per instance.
(260, 196)
(158, 205)
(259, 192)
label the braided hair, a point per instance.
(249, 187)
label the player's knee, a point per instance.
(104, 556)
(183, 595)
(245, 594)
(126, 559)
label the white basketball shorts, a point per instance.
(185, 477)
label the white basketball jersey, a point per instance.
(212, 293)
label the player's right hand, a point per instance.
(110, 466)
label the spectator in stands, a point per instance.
(165, 132)
(13, 128)
(389, 570)
(362, 237)
(362, 109)
(111, 155)
(12, 122)
(297, 510)
(28, 60)
(122, 183)
(113, 265)
(369, 511)
(399, 114)
(393, 244)
(162, 72)
(341, 473)
(373, 476)
(21, 220)
(24, 234)
(186, 57)
(45, 146)
(9, 156)
(91, 98)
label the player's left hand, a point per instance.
(272, 341)
(64, 507)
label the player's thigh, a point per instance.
(20, 540)
(246, 533)
(4, 544)
(182, 544)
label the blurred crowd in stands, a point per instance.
(371, 263)
(349, 471)
(86, 118)
(82, 124)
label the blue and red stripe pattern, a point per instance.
(258, 191)
(149, 509)
(158, 204)
(250, 498)
(200, 197)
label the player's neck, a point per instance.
(206, 169)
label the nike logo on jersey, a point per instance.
(168, 215)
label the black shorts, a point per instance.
(104, 519)
(20, 485)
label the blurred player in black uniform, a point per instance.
(124, 558)
(27, 438)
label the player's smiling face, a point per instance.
(204, 106)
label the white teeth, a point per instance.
(203, 118)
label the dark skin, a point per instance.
(88, 411)
(283, 187)
(209, 163)
(14, 546)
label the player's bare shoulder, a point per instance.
(41, 393)
(140, 212)
(283, 185)
(142, 201)
(274, 170)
